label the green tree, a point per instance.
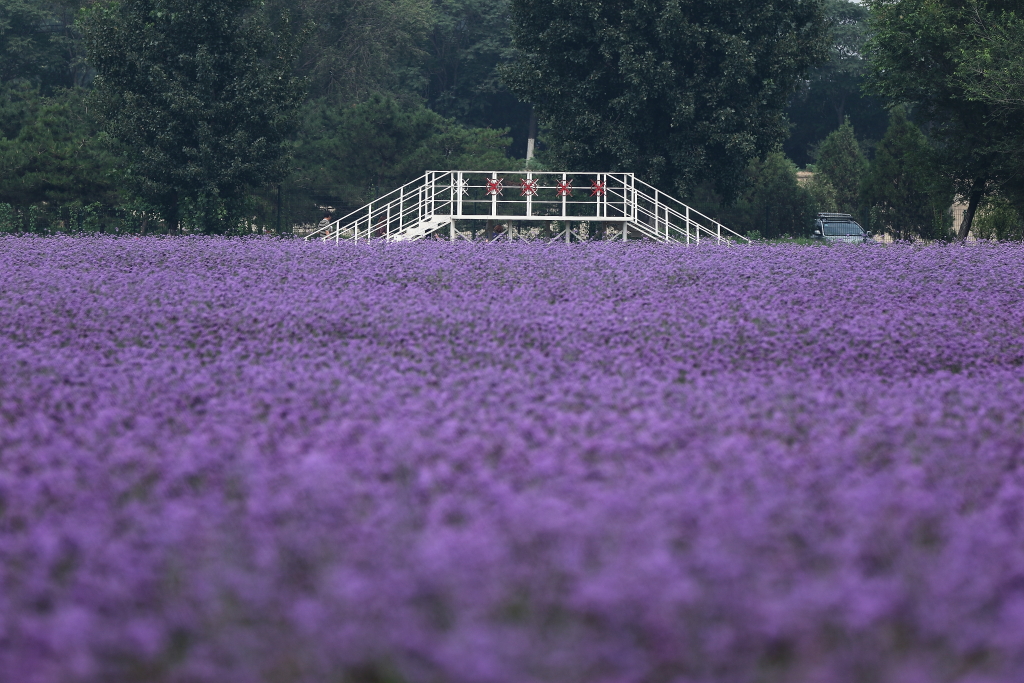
(359, 152)
(771, 204)
(917, 55)
(841, 161)
(675, 91)
(901, 188)
(201, 94)
(999, 219)
(19, 104)
(58, 158)
(991, 71)
(358, 47)
(834, 90)
(776, 204)
(38, 44)
(991, 68)
(469, 42)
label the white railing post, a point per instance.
(564, 212)
(529, 196)
(458, 192)
(494, 197)
(687, 224)
(656, 218)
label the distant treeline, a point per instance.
(229, 116)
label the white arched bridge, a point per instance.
(527, 205)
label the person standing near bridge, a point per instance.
(324, 222)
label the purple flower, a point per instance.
(259, 460)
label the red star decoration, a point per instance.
(529, 187)
(495, 186)
(597, 188)
(565, 188)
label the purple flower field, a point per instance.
(227, 461)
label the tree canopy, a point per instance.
(206, 122)
(359, 152)
(675, 91)
(900, 187)
(202, 94)
(918, 53)
(834, 90)
(841, 161)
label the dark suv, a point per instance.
(839, 227)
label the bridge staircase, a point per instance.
(527, 205)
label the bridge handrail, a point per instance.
(662, 197)
(421, 180)
(435, 192)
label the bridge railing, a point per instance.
(393, 214)
(423, 205)
(669, 219)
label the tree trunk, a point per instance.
(840, 108)
(974, 198)
(173, 215)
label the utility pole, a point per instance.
(531, 140)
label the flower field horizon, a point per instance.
(269, 461)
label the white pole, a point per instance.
(458, 191)
(529, 196)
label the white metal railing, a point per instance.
(440, 199)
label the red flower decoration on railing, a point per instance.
(529, 187)
(564, 188)
(495, 186)
(597, 188)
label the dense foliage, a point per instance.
(677, 92)
(437, 64)
(833, 91)
(247, 461)
(842, 163)
(919, 54)
(202, 95)
(903, 194)
(38, 45)
(365, 150)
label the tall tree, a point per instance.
(57, 157)
(354, 154)
(39, 45)
(834, 90)
(992, 72)
(355, 48)
(201, 93)
(900, 186)
(677, 91)
(916, 58)
(469, 42)
(843, 164)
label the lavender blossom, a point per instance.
(265, 461)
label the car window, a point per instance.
(841, 229)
